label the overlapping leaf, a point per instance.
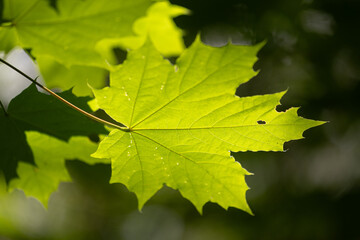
(32, 110)
(46, 114)
(75, 77)
(42, 180)
(13, 147)
(159, 26)
(71, 33)
(184, 120)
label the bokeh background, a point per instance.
(310, 191)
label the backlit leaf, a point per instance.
(159, 26)
(42, 180)
(183, 121)
(70, 33)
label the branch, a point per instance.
(92, 117)
(3, 108)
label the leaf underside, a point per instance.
(185, 119)
(46, 114)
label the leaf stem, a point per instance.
(65, 101)
(3, 108)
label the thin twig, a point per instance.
(65, 101)
(3, 108)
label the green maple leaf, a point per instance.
(42, 180)
(7, 40)
(159, 26)
(183, 121)
(70, 33)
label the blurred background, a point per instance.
(311, 191)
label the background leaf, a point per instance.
(42, 180)
(13, 147)
(70, 33)
(76, 77)
(159, 26)
(46, 114)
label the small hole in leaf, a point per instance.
(120, 55)
(94, 138)
(261, 122)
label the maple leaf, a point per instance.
(157, 25)
(70, 33)
(183, 121)
(42, 180)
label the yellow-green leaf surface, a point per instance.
(70, 33)
(76, 77)
(8, 40)
(184, 120)
(42, 180)
(159, 26)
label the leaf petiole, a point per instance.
(3, 108)
(92, 117)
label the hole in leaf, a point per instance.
(94, 138)
(261, 122)
(120, 55)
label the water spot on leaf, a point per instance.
(162, 86)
